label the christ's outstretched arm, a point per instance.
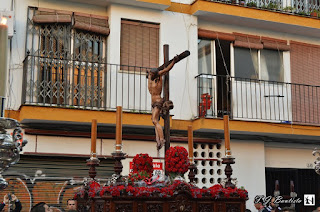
(169, 67)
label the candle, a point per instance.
(276, 189)
(276, 185)
(3, 62)
(119, 128)
(190, 143)
(94, 137)
(226, 135)
(291, 186)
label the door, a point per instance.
(305, 181)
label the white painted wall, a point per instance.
(249, 167)
(59, 145)
(285, 156)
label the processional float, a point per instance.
(177, 196)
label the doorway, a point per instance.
(305, 181)
(223, 82)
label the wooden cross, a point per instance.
(166, 91)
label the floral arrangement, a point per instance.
(142, 168)
(142, 162)
(93, 188)
(177, 162)
(216, 191)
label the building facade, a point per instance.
(72, 61)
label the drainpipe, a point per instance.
(3, 63)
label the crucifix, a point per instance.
(161, 106)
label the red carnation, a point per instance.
(177, 160)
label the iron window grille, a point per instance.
(66, 64)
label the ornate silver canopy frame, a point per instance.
(10, 146)
(317, 162)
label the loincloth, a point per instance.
(158, 104)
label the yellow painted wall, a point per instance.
(78, 115)
(109, 117)
(234, 10)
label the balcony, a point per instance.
(103, 86)
(258, 100)
(295, 7)
(49, 81)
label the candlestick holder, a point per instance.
(118, 149)
(228, 153)
(228, 160)
(93, 162)
(118, 156)
(192, 170)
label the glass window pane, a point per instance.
(204, 57)
(246, 63)
(271, 65)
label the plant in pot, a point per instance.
(288, 9)
(252, 4)
(302, 13)
(272, 6)
(314, 13)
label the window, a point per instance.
(248, 61)
(87, 77)
(139, 45)
(67, 57)
(271, 65)
(213, 67)
(54, 49)
(204, 57)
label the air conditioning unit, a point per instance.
(9, 15)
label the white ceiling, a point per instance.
(259, 24)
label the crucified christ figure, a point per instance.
(158, 104)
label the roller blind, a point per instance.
(213, 35)
(139, 44)
(91, 23)
(275, 44)
(305, 63)
(44, 15)
(247, 41)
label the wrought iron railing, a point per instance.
(260, 100)
(70, 83)
(299, 7)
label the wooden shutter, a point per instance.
(139, 45)
(91, 23)
(247, 41)
(44, 15)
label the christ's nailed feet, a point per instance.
(160, 144)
